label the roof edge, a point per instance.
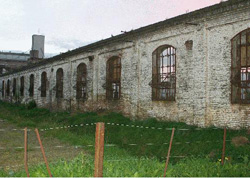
(211, 10)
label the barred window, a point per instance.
(163, 73)
(31, 89)
(8, 88)
(113, 78)
(14, 87)
(3, 88)
(59, 83)
(43, 84)
(22, 86)
(240, 74)
(81, 83)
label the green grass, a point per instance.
(203, 150)
(83, 165)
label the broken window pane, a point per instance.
(163, 77)
(113, 81)
(59, 83)
(14, 87)
(22, 86)
(81, 83)
(8, 88)
(240, 75)
(43, 84)
(31, 89)
(3, 88)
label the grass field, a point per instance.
(136, 151)
(12, 142)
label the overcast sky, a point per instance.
(68, 24)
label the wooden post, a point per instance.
(169, 149)
(224, 146)
(25, 152)
(44, 157)
(99, 149)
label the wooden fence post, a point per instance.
(25, 152)
(44, 157)
(99, 149)
(224, 146)
(169, 149)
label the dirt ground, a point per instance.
(12, 148)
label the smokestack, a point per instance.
(37, 50)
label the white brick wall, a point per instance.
(203, 75)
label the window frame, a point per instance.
(158, 64)
(14, 86)
(3, 88)
(81, 82)
(32, 84)
(59, 83)
(44, 84)
(22, 86)
(237, 67)
(113, 80)
(8, 88)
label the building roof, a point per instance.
(204, 12)
(10, 56)
(14, 53)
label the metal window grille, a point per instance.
(43, 84)
(22, 86)
(164, 73)
(59, 83)
(240, 68)
(14, 87)
(81, 83)
(113, 80)
(3, 88)
(8, 88)
(31, 89)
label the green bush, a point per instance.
(200, 167)
(31, 105)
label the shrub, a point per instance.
(200, 167)
(240, 141)
(31, 105)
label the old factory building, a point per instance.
(10, 61)
(193, 68)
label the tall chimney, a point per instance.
(37, 50)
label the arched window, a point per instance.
(14, 87)
(113, 78)
(81, 83)
(240, 75)
(59, 83)
(31, 89)
(3, 87)
(22, 86)
(163, 73)
(8, 88)
(43, 84)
